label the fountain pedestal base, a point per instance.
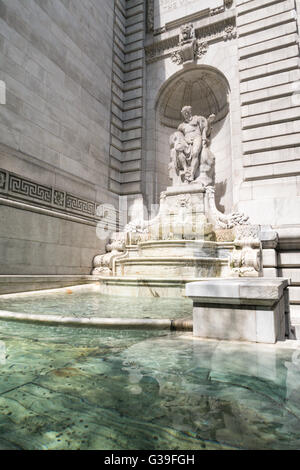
(241, 309)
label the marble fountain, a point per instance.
(131, 384)
(192, 249)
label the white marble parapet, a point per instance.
(241, 309)
(244, 291)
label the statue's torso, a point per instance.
(193, 128)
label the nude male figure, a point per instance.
(196, 130)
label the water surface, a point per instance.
(93, 304)
(72, 388)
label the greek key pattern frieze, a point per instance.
(76, 204)
(16, 187)
(29, 189)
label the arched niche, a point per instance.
(208, 92)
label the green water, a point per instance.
(90, 304)
(70, 388)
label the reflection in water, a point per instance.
(68, 388)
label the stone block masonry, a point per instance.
(126, 122)
(56, 60)
(56, 63)
(268, 43)
(269, 75)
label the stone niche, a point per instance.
(208, 91)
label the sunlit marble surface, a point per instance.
(91, 304)
(65, 388)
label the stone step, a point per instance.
(183, 248)
(172, 266)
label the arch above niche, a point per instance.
(202, 87)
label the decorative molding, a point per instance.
(201, 49)
(59, 198)
(217, 31)
(80, 205)
(199, 15)
(229, 32)
(161, 49)
(184, 201)
(217, 11)
(16, 187)
(223, 30)
(23, 187)
(246, 258)
(189, 48)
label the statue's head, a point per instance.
(187, 113)
(187, 32)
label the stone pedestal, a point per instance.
(182, 215)
(184, 241)
(240, 309)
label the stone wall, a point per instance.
(56, 61)
(269, 76)
(270, 97)
(82, 125)
(127, 106)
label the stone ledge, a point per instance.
(246, 291)
(110, 323)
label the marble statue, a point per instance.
(191, 159)
(187, 215)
